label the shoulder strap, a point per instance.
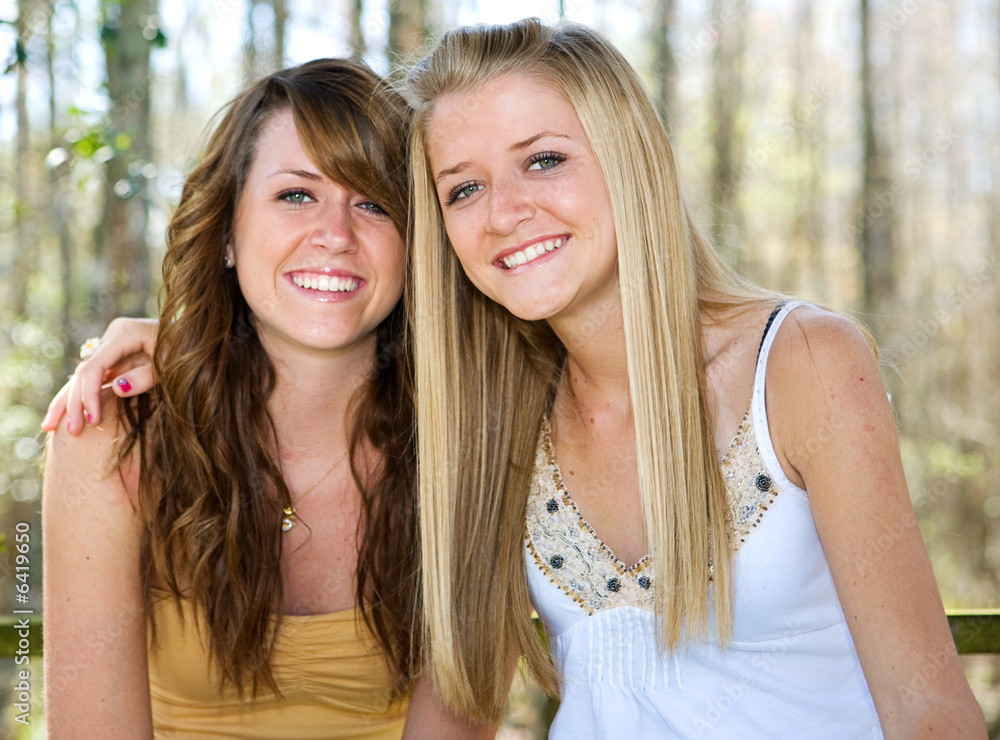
(767, 326)
(758, 404)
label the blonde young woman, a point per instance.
(594, 438)
(256, 513)
(594, 435)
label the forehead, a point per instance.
(510, 108)
(278, 134)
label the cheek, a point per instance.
(460, 229)
(389, 261)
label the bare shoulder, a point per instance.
(84, 465)
(819, 342)
(824, 391)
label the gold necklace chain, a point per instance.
(289, 517)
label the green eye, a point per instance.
(295, 197)
(463, 191)
(545, 161)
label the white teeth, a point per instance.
(532, 252)
(327, 283)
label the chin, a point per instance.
(530, 313)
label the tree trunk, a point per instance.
(874, 227)
(805, 268)
(280, 19)
(358, 45)
(407, 31)
(251, 65)
(729, 17)
(121, 237)
(664, 61)
(59, 210)
(25, 238)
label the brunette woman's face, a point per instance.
(319, 265)
(523, 198)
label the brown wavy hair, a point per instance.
(210, 488)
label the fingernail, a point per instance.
(124, 384)
(68, 428)
(89, 418)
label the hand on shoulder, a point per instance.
(83, 462)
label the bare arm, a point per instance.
(123, 359)
(836, 436)
(428, 717)
(96, 683)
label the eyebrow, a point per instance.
(519, 146)
(451, 171)
(532, 139)
(300, 173)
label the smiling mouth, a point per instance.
(533, 252)
(327, 284)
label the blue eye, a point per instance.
(463, 191)
(373, 208)
(545, 161)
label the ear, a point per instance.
(230, 258)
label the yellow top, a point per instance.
(331, 673)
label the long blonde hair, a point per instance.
(483, 377)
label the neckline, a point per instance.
(349, 612)
(550, 454)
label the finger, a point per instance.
(125, 343)
(56, 410)
(135, 382)
(75, 410)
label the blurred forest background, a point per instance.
(845, 150)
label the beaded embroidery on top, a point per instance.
(568, 551)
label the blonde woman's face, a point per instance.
(319, 265)
(523, 198)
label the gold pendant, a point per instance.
(288, 520)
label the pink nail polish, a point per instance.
(89, 418)
(124, 384)
(68, 425)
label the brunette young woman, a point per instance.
(235, 555)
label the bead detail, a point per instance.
(571, 555)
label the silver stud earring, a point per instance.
(227, 262)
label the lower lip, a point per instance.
(528, 265)
(328, 296)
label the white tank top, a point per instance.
(790, 671)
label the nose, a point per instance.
(508, 207)
(334, 227)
